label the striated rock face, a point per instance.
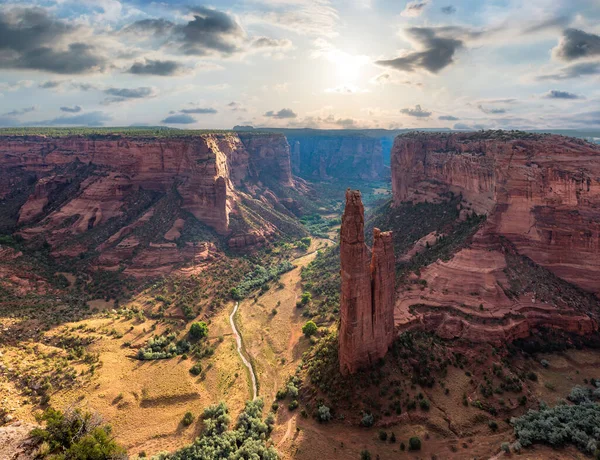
(117, 195)
(541, 194)
(342, 156)
(367, 298)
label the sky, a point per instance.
(335, 64)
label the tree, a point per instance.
(198, 330)
(188, 419)
(310, 328)
(306, 298)
(414, 443)
(324, 414)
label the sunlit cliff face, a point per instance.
(463, 64)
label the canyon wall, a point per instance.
(108, 193)
(541, 195)
(327, 155)
(367, 297)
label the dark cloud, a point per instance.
(415, 8)
(448, 9)
(17, 112)
(448, 118)
(74, 109)
(493, 111)
(156, 67)
(573, 71)
(346, 123)
(25, 38)
(577, 44)
(179, 119)
(556, 94)
(416, 112)
(283, 113)
(439, 45)
(200, 110)
(210, 31)
(86, 119)
(151, 26)
(123, 94)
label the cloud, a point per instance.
(266, 43)
(283, 113)
(17, 112)
(387, 78)
(556, 94)
(123, 94)
(74, 109)
(50, 84)
(416, 112)
(573, 71)
(448, 118)
(200, 110)
(414, 8)
(155, 27)
(439, 44)
(156, 67)
(577, 44)
(493, 111)
(86, 119)
(25, 38)
(547, 24)
(236, 107)
(448, 9)
(463, 126)
(182, 119)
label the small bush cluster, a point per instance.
(258, 278)
(163, 347)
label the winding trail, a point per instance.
(238, 339)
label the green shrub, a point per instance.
(293, 405)
(383, 435)
(188, 419)
(76, 435)
(414, 443)
(324, 414)
(198, 330)
(196, 369)
(310, 328)
(365, 455)
(367, 420)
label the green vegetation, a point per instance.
(196, 369)
(75, 435)
(198, 330)
(310, 328)
(319, 226)
(322, 279)
(163, 347)
(414, 443)
(249, 439)
(577, 424)
(110, 132)
(258, 278)
(188, 419)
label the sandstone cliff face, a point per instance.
(540, 192)
(342, 156)
(116, 195)
(367, 297)
(542, 198)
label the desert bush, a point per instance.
(367, 419)
(577, 424)
(383, 435)
(76, 435)
(198, 330)
(414, 443)
(188, 419)
(324, 414)
(310, 328)
(365, 455)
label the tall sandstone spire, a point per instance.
(367, 300)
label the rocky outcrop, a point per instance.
(117, 194)
(326, 155)
(367, 297)
(535, 262)
(542, 192)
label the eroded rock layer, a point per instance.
(148, 200)
(535, 263)
(367, 297)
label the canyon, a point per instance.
(534, 263)
(367, 292)
(147, 202)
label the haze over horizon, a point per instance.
(301, 63)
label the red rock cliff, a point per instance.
(542, 198)
(542, 192)
(116, 194)
(367, 298)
